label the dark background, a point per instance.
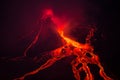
(18, 27)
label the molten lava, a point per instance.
(70, 48)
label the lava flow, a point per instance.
(70, 48)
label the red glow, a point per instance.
(60, 22)
(48, 12)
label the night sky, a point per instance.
(19, 25)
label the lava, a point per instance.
(69, 48)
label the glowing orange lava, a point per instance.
(74, 48)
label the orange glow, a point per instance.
(75, 48)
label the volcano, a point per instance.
(83, 53)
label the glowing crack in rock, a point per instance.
(70, 48)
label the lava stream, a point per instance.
(73, 48)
